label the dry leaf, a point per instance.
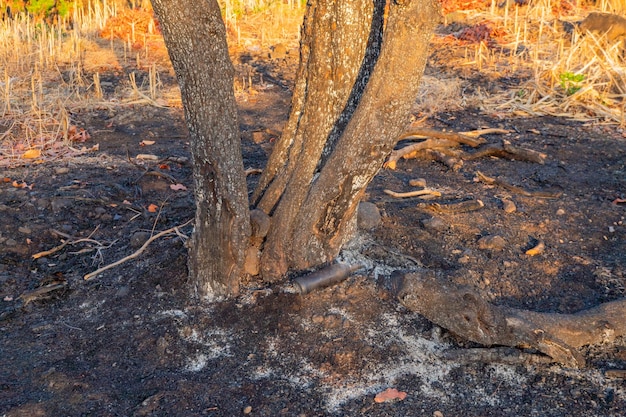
(164, 167)
(178, 187)
(6, 179)
(22, 185)
(146, 143)
(390, 394)
(32, 154)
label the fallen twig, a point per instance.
(137, 252)
(417, 193)
(30, 296)
(67, 242)
(471, 138)
(450, 208)
(517, 190)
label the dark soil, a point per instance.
(131, 342)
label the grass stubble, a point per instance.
(53, 71)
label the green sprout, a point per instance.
(571, 82)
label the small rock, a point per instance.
(61, 170)
(493, 242)
(434, 224)
(247, 409)
(419, 182)
(10, 242)
(465, 259)
(508, 206)
(24, 230)
(317, 319)
(560, 212)
(138, 239)
(437, 414)
(368, 216)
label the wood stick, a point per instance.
(136, 253)
(423, 132)
(416, 193)
(517, 190)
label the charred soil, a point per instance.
(132, 342)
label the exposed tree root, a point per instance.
(439, 146)
(462, 311)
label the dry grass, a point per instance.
(577, 76)
(49, 72)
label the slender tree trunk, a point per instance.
(346, 116)
(196, 41)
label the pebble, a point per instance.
(493, 242)
(61, 170)
(247, 409)
(138, 239)
(368, 216)
(24, 230)
(560, 212)
(419, 182)
(434, 224)
(508, 206)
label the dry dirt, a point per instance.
(131, 343)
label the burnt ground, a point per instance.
(130, 342)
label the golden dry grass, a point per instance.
(48, 72)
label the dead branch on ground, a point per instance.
(515, 189)
(137, 252)
(464, 312)
(441, 146)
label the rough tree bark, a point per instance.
(464, 312)
(352, 100)
(196, 41)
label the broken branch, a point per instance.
(137, 252)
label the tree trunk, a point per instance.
(349, 106)
(196, 41)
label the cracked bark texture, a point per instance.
(356, 83)
(195, 37)
(464, 312)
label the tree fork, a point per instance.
(315, 211)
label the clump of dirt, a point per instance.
(132, 341)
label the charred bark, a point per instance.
(464, 312)
(196, 41)
(344, 121)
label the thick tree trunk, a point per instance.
(344, 122)
(196, 41)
